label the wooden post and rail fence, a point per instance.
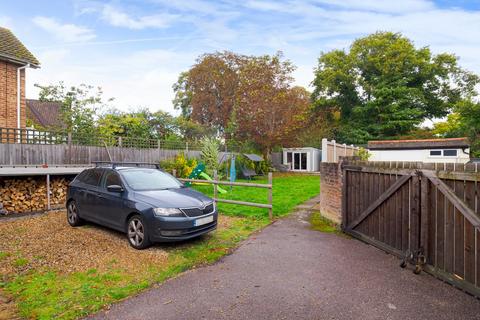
(217, 182)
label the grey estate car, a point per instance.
(148, 204)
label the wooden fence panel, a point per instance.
(434, 215)
(37, 154)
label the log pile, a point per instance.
(30, 194)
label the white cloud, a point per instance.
(118, 18)
(391, 6)
(65, 32)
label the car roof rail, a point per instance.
(114, 164)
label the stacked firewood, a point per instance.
(30, 195)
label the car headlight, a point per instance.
(168, 212)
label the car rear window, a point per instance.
(150, 179)
(92, 177)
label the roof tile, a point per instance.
(13, 49)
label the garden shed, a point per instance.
(451, 150)
(305, 159)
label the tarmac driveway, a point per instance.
(289, 271)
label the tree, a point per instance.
(384, 87)
(191, 131)
(464, 121)
(127, 124)
(206, 93)
(269, 110)
(246, 98)
(79, 106)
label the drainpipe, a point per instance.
(19, 93)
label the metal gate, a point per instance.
(422, 214)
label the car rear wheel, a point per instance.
(137, 233)
(72, 214)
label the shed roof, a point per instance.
(419, 144)
(13, 50)
(253, 157)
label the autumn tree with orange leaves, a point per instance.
(246, 98)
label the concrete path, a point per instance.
(291, 272)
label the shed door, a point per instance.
(299, 161)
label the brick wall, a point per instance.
(8, 95)
(331, 191)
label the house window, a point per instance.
(450, 153)
(435, 153)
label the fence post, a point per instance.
(186, 147)
(48, 192)
(324, 150)
(215, 183)
(120, 142)
(424, 207)
(334, 151)
(69, 143)
(174, 172)
(270, 195)
(343, 172)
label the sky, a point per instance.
(135, 50)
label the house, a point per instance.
(44, 114)
(14, 59)
(302, 159)
(452, 150)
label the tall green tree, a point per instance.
(384, 87)
(464, 121)
(80, 104)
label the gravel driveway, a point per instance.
(289, 271)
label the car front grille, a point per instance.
(195, 212)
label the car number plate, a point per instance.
(202, 221)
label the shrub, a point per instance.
(181, 164)
(210, 153)
(363, 154)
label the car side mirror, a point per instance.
(114, 188)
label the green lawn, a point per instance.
(43, 286)
(288, 191)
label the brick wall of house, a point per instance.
(331, 191)
(8, 95)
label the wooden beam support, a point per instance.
(468, 213)
(383, 197)
(228, 183)
(245, 203)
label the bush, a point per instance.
(183, 165)
(209, 154)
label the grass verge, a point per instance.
(322, 224)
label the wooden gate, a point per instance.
(431, 209)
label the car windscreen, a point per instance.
(150, 179)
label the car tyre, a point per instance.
(72, 214)
(137, 234)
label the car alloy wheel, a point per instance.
(136, 233)
(72, 214)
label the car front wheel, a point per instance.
(72, 214)
(137, 233)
